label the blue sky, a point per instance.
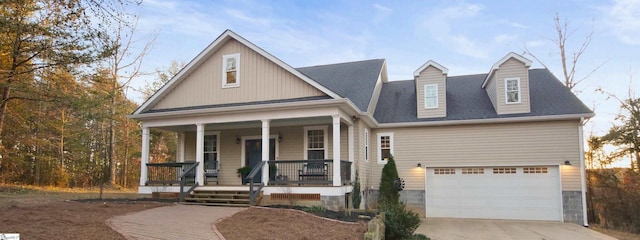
(467, 37)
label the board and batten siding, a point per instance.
(507, 144)
(260, 80)
(512, 69)
(431, 75)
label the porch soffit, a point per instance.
(282, 116)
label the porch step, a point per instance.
(233, 198)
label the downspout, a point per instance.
(583, 173)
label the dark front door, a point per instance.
(253, 154)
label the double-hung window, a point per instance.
(431, 96)
(385, 147)
(315, 141)
(512, 90)
(211, 151)
(231, 70)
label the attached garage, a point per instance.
(523, 193)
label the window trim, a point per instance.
(425, 96)
(305, 146)
(217, 134)
(506, 91)
(224, 71)
(366, 145)
(390, 134)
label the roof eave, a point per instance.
(261, 107)
(496, 66)
(488, 121)
(210, 49)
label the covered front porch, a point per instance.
(307, 149)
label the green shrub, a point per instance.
(400, 223)
(419, 236)
(388, 191)
(356, 198)
(316, 210)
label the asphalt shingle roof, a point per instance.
(466, 100)
(353, 80)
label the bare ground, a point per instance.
(616, 234)
(38, 214)
(266, 223)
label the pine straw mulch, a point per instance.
(269, 223)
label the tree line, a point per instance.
(64, 80)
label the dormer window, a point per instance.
(231, 70)
(512, 90)
(430, 96)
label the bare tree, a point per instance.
(568, 58)
(124, 66)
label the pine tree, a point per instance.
(356, 198)
(388, 192)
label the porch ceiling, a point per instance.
(252, 124)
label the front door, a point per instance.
(253, 154)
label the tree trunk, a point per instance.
(112, 140)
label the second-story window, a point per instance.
(231, 70)
(512, 90)
(431, 96)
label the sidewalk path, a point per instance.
(171, 222)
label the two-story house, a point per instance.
(506, 144)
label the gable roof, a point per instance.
(506, 58)
(430, 63)
(466, 101)
(353, 80)
(210, 50)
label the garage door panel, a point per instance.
(531, 196)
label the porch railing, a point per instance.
(253, 192)
(301, 172)
(179, 173)
(189, 171)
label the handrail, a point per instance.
(183, 181)
(253, 193)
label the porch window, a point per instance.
(231, 70)
(385, 147)
(211, 152)
(315, 142)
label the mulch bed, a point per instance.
(355, 216)
(274, 223)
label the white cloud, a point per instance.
(439, 26)
(237, 14)
(382, 13)
(504, 38)
(623, 18)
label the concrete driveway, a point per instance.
(446, 228)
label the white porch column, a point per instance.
(265, 150)
(351, 151)
(145, 156)
(200, 153)
(336, 151)
(180, 150)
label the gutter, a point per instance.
(583, 174)
(485, 121)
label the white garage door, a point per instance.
(528, 193)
